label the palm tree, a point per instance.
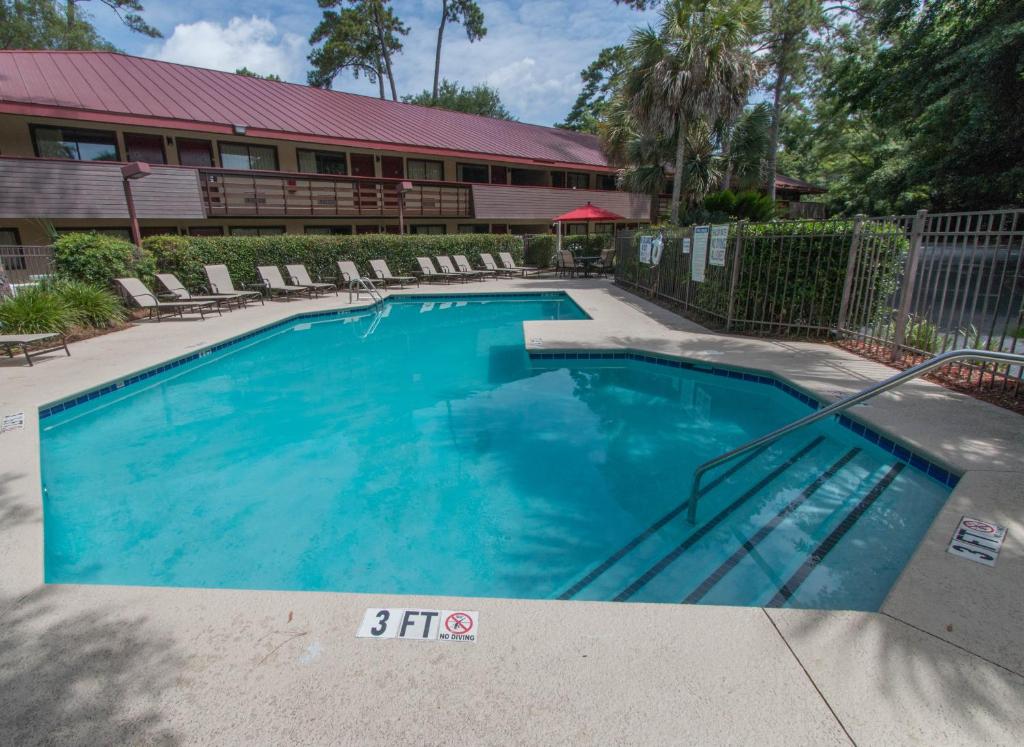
(695, 70)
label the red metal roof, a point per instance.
(107, 86)
(587, 213)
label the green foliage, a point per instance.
(250, 74)
(46, 24)
(98, 259)
(468, 13)
(481, 99)
(186, 255)
(36, 310)
(540, 249)
(599, 81)
(91, 305)
(721, 202)
(754, 206)
(360, 37)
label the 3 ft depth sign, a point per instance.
(419, 625)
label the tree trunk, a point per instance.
(380, 79)
(70, 23)
(384, 53)
(773, 137)
(437, 53)
(727, 157)
(677, 178)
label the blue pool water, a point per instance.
(419, 450)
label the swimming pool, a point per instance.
(417, 448)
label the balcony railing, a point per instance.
(267, 194)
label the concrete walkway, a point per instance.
(941, 663)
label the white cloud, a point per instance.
(255, 43)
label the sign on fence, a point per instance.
(700, 252)
(719, 237)
(645, 250)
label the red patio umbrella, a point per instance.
(587, 214)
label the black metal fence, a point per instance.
(897, 288)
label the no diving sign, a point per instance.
(419, 625)
(977, 540)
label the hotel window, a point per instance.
(195, 152)
(604, 228)
(245, 156)
(473, 172)
(575, 229)
(432, 170)
(205, 231)
(9, 237)
(529, 177)
(431, 230)
(120, 233)
(147, 231)
(606, 181)
(256, 230)
(499, 175)
(145, 148)
(577, 181)
(12, 259)
(72, 142)
(473, 228)
(329, 230)
(558, 179)
(322, 162)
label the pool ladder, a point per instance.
(358, 285)
(839, 406)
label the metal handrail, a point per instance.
(364, 284)
(838, 406)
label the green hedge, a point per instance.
(540, 248)
(97, 259)
(186, 255)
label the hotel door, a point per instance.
(362, 164)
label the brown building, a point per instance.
(230, 154)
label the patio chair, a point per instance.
(347, 272)
(10, 342)
(510, 264)
(566, 263)
(299, 276)
(448, 268)
(606, 263)
(463, 266)
(380, 269)
(430, 273)
(135, 290)
(490, 264)
(178, 291)
(274, 283)
(221, 284)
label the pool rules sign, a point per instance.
(457, 626)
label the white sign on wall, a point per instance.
(700, 252)
(719, 239)
(686, 245)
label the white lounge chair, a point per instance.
(383, 273)
(221, 284)
(490, 264)
(10, 342)
(136, 291)
(448, 268)
(429, 272)
(274, 283)
(463, 266)
(510, 264)
(299, 275)
(178, 291)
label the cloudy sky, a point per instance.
(533, 52)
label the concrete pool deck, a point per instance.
(942, 662)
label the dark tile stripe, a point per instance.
(789, 588)
(631, 545)
(701, 531)
(748, 545)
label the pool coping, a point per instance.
(837, 665)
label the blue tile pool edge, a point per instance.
(79, 398)
(902, 453)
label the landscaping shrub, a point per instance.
(754, 206)
(91, 305)
(36, 310)
(721, 202)
(98, 259)
(540, 248)
(186, 255)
